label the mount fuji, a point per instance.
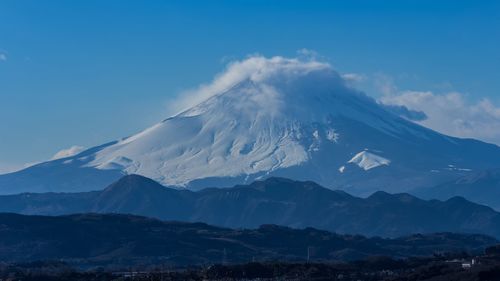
(266, 117)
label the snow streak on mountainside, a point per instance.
(282, 117)
(367, 160)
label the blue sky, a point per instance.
(86, 72)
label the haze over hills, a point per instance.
(273, 201)
(482, 187)
(273, 117)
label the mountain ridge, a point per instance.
(112, 239)
(272, 201)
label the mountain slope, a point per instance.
(272, 117)
(123, 239)
(273, 201)
(482, 187)
(67, 174)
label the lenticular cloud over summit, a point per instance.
(260, 70)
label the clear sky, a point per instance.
(86, 72)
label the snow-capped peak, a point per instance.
(280, 114)
(274, 116)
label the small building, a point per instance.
(466, 265)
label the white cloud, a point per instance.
(449, 112)
(452, 113)
(385, 84)
(353, 77)
(6, 168)
(3, 56)
(403, 111)
(308, 53)
(74, 150)
(257, 69)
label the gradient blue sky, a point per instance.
(86, 72)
